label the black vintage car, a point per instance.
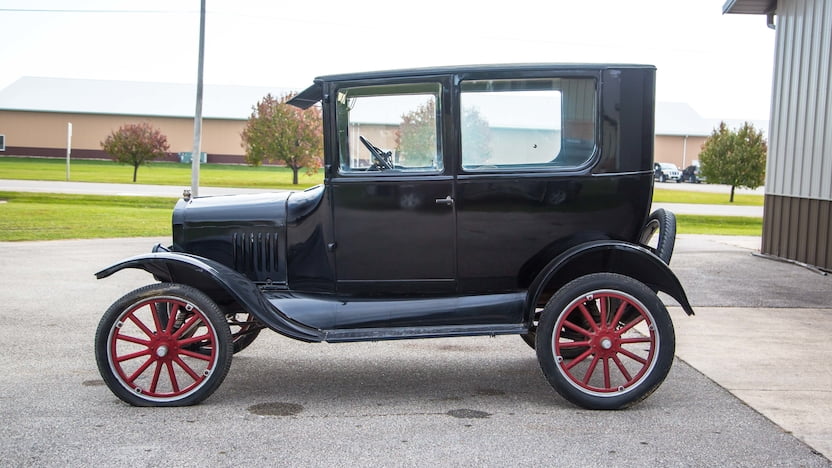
(458, 201)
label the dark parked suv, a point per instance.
(459, 201)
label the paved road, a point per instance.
(750, 386)
(174, 191)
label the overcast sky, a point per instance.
(719, 64)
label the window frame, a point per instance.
(442, 93)
(593, 155)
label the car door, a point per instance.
(392, 195)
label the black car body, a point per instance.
(510, 190)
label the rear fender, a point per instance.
(217, 281)
(619, 257)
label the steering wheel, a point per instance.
(378, 155)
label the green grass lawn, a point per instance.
(719, 225)
(33, 216)
(705, 198)
(48, 216)
(162, 173)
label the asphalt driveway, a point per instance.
(443, 402)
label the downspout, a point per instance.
(685, 153)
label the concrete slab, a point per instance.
(778, 361)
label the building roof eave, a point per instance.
(749, 7)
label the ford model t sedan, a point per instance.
(456, 201)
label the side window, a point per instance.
(389, 128)
(527, 123)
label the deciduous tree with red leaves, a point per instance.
(279, 132)
(136, 144)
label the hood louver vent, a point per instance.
(256, 254)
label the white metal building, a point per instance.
(797, 222)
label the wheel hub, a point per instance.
(606, 343)
(162, 351)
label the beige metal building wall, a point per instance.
(44, 134)
(798, 207)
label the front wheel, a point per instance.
(163, 345)
(625, 334)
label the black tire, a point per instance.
(662, 222)
(620, 366)
(163, 345)
(243, 332)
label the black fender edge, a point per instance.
(608, 256)
(201, 272)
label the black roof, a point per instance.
(313, 94)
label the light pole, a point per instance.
(195, 155)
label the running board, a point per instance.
(378, 334)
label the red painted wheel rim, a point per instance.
(615, 357)
(162, 349)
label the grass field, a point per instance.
(31, 216)
(162, 173)
(705, 198)
(39, 216)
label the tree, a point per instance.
(136, 144)
(416, 136)
(279, 132)
(735, 158)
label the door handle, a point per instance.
(447, 201)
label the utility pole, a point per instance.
(197, 153)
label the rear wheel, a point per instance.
(163, 345)
(625, 336)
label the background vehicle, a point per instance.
(691, 174)
(457, 201)
(666, 171)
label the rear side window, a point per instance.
(527, 123)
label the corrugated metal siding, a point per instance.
(798, 229)
(800, 146)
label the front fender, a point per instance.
(619, 257)
(208, 275)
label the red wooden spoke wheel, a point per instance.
(607, 341)
(163, 345)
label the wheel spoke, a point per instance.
(127, 357)
(187, 326)
(606, 363)
(590, 370)
(158, 315)
(172, 318)
(141, 324)
(195, 355)
(602, 312)
(576, 328)
(588, 317)
(619, 313)
(630, 325)
(578, 359)
(186, 368)
(133, 339)
(635, 340)
(622, 369)
(632, 356)
(172, 375)
(156, 374)
(140, 370)
(575, 344)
